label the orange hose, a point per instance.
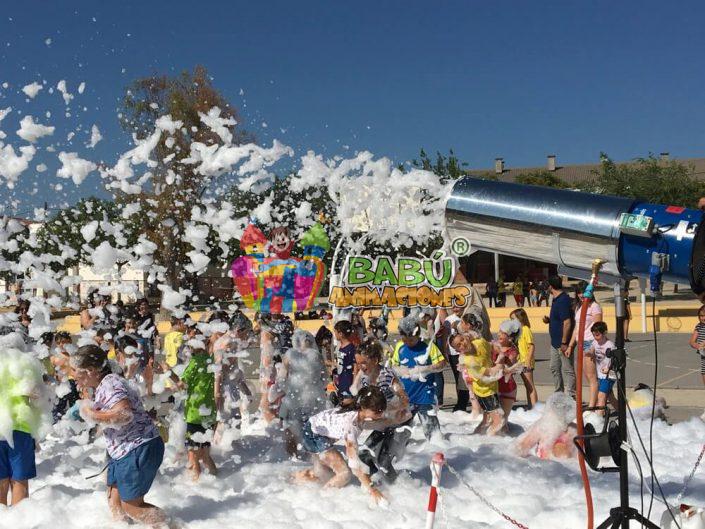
(579, 408)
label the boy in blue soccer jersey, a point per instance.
(415, 362)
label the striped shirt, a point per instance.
(384, 381)
(700, 330)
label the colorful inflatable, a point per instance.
(270, 279)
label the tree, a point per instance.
(284, 202)
(649, 179)
(175, 188)
(448, 168)
(15, 233)
(541, 177)
(63, 233)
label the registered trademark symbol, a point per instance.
(460, 247)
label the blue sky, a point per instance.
(514, 79)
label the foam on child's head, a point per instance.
(90, 357)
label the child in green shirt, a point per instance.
(23, 417)
(200, 410)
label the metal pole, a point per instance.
(496, 267)
(619, 293)
(333, 276)
(642, 291)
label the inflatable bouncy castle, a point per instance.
(270, 279)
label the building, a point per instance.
(571, 174)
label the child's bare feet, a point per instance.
(339, 480)
(195, 472)
(305, 476)
(210, 466)
(481, 428)
(119, 516)
(377, 496)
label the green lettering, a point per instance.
(359, 271)
(409, 272)
(446, 266)
(385, 272)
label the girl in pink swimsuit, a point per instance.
(505, 351)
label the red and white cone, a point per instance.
(436, 465)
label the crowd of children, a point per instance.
(126, 382)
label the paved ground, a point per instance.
(679, 365)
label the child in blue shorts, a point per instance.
(134, 447)
(20, 388)
(605, 376)
(324, 429)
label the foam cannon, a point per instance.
(571, 229)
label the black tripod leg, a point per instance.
(618, 517)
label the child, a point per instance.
(505, 352)
(232, 395)
(183, 353)
(598, 351)
(134, 447)
(415, 362)
(67, 391)
(325, 428)
(20, 392)
(357, 320)
(128, 354)
(303, 382)
(473, 326)
(103, 339)
(477, 369)
(345, 333)
(551, 436)
(173, 340)
(389, 437)
(269, 357)
(200, 410)
(448, 324)
(533, 294)
(324, 341)
(148, 338)
(697, 341)
(526, 356)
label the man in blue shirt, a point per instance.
(560, 324)
(415, 363)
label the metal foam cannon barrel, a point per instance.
(571, 229)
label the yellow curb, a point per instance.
(671, 317)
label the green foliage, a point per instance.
(14, 244)
(649, 179)
(284, 202)
(61, 234)
(448, 168)
(541, 177)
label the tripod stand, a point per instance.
(619, 516)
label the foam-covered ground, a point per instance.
(254, 490)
